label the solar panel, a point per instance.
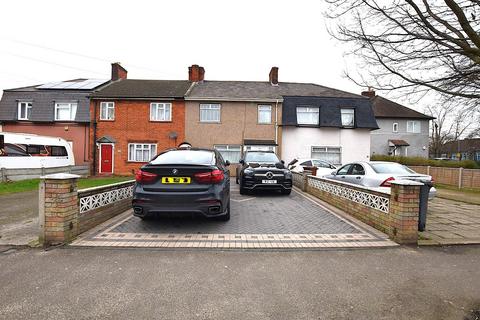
(83, 84)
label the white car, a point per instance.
(323, 167)
(379, 174)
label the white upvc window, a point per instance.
(232, 153)
(413, 126)
(141, 152)
(264, 114)
(107, 111)
(160, 111)
(308, 115)
(65, 111)
(348, 117)
(24, 110)
(395, 127)
(210, 112)
(332, 155)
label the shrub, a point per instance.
(419, 161)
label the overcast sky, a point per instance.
(42, 41)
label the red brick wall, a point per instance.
(132, 125)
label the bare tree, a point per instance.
(451, 123)
(418, 45)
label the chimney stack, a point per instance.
(118, 72)
(370, 93)
(273, 76)
(196, 73)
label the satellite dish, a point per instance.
(173, 135)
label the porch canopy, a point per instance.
(398, 143)
(257, 142)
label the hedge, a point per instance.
(419, 161)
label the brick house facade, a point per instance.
(133, 120)
(132, 126)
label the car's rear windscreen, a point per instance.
(391, 168)
(192, 157)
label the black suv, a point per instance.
(179, 181)
(263, 170)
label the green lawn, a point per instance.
(32, 184)
(453, 188)
(468, 195)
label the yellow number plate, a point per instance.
(179, 180)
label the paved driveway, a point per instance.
(266, 220)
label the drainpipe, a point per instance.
(94, 142)
(276, 124)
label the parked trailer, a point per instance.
(30, 151)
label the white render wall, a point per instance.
(297, 142)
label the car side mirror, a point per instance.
(334, 173)
(227, 163)
(242, 162)
(283, 162)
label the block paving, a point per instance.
(259, 221)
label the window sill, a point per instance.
(106, 120)
(161, 121)
(210, 122)
(264, 123)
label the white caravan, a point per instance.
(30, 151)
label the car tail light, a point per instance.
(145, 177)
(211, 177)
(387, 183)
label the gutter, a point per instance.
(276, 123)
(234, 99)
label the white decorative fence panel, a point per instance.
(367, 199)
(101, 199)
(297, 179)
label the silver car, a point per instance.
(379, 174)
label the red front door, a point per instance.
(106, 162)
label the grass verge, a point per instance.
(32, 184)
(467, 195)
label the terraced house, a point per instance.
(235, 116)
(133, 120)
(59, 109)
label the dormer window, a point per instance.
(348, 118)
(308, 115)
(24, 110)
(65, 111)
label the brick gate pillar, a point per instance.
(404, 210)
(58, 208)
